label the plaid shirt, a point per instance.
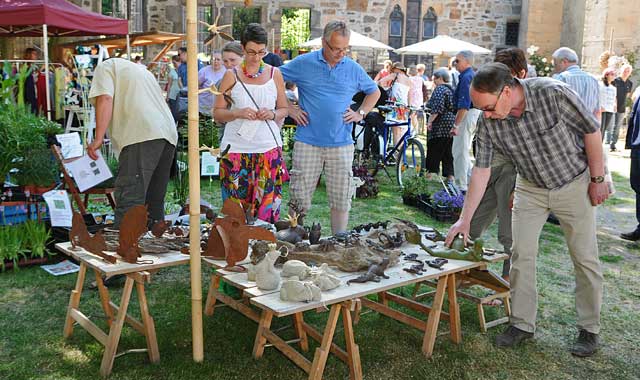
(546, 143)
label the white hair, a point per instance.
(565, 53)
(467, 55)
(335, 26)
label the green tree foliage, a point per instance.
(295, 28)
(242, 17)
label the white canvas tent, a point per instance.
(355, 40)
(441, 45)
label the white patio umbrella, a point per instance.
(441, 45)
(355, 40)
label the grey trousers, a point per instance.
(143, 176)
(612, 137)
(495, 203)
(571, 205)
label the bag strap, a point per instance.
(256, 105)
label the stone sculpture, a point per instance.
(457, 250)
(267, 278)
(299, 291)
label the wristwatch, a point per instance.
(362, 113)
(597, 179)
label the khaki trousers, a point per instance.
(572, 207)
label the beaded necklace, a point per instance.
(252, 76)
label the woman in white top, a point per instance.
(253, 171)
(607, 100)
(399, 84)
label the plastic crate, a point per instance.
(16, 212)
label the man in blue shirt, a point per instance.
(182, 69)
(466, 118)
(327, 81)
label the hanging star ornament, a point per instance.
(215, 30)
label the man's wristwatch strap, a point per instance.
(597, 179)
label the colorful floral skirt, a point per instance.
(255, 181)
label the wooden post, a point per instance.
(194, 182)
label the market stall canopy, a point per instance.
(25, 18)
(135, 39)
(441, 45)
(355, 40)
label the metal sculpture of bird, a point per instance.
(216, 30)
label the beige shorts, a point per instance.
(309, 162)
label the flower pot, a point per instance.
(410, 200)
(26, 262)
(39, 190)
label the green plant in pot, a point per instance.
(37, 168)
(11, 245)
(37, 236)
(414, 188)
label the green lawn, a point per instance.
(32, 312)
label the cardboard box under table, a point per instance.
(340, 301)
(138, 274)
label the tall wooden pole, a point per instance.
(194, 182)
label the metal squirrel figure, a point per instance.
(315, 233)
(375, 273)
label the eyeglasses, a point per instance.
(260, 53)
(337, 50)
(493, 108)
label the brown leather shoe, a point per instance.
(586, 345)
(512, 336)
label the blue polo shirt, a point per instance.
(325, 93)
(461, 97)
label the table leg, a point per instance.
(263, 326)
(431, 329)
(353, 352)
(104, 297)
(74, 300)
(212, 295)
(149, 326)
(322, 352)
(454, 309)
(298, 319)
(116, 329)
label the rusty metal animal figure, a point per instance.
(79, 236)
(132, 227)
(375, 273)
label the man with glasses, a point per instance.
(327, 81)
(545, 130)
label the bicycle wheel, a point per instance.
(412, 163)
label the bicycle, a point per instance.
(411, 158)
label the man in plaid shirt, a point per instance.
(545, 130)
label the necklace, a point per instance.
(246, 73)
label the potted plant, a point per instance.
(415, 189)
(369, 189)
(11, 246)
(37, 171)
(37, 236)
(446, 205)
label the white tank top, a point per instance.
(252, 136)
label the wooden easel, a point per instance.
(73, 189)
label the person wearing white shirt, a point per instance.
(608, 94)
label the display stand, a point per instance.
(136, 274)
(73, 189)
(341, 301)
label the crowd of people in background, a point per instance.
(537, 142)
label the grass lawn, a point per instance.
(33, 306)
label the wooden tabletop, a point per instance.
(157, 261)
(397, 278)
